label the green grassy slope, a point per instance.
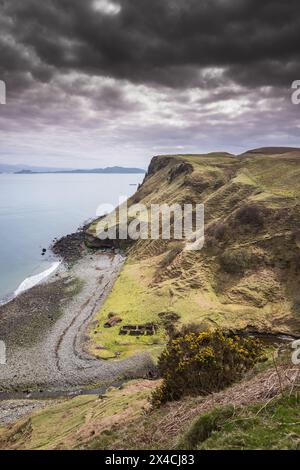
(247, 275)
(252, 414)
(273, 426)
(72, 423)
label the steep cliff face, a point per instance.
(248, 273)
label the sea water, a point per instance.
(35, 209)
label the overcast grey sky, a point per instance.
(112, 82)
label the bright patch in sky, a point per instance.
(107, 7)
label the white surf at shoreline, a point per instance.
(32, 281)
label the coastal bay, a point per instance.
(45, 330)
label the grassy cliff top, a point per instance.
(248, 273)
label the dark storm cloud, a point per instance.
(167, 42)
(90, 77)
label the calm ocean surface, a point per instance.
(34, 209)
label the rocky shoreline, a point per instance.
(45, 329)
(71, 247)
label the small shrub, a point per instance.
(220, 232)
(251, 214)
(169, 321)
(203, 363)
(193, 328)
(235, 261)
(169, 317)
(239, 260)
(216, 233)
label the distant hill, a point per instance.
(28, 170)
(110, 170)
(7, 168)
(272, 150)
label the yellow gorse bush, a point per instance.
(203, 363)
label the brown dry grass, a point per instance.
(161, 429)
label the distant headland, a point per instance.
(27, 170)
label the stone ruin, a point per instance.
(148, 329)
